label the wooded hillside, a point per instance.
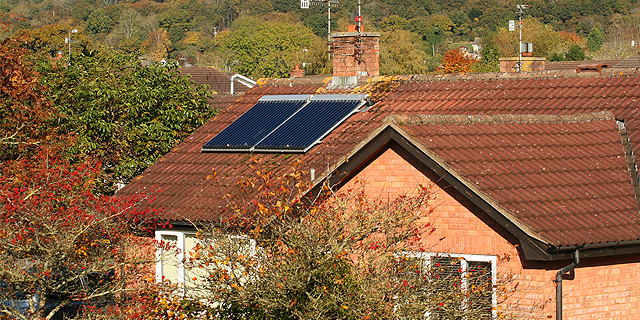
(266, 38)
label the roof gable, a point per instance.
(188, 195)
(565, 178)
(541, 177)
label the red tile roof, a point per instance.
(214, 79)
(187, 194)
(535, 167)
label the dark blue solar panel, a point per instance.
(312, 123)
(255, 124)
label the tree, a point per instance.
(400, 53)
(99, 22)
(157, 45)
(441, 21)
(490, 61)
(50, 39)
(456, 61)
(60, 243)
(576, 53)
(595, 39)
(318, 23)
(128, 24)
(618, 37)
(545, 40)
(278, 254)
(124, 115)
(25, 113)
(394, 22)
(266, 48)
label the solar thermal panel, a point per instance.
(292, 123)
(310, 124)
(255, 124)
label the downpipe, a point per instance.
(558, 281)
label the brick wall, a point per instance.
(356, 54)
(602, 289)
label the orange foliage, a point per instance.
(571, 38)
(457, 61)
(24, 110)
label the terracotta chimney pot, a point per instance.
(296, 72)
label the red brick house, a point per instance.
(537, 165)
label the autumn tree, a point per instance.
(25, 113)
(277, 253)
(62, 245)
(157, 45)
(457, 61)
(123, 114)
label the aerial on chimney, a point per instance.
(355, 55)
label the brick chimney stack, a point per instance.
(355, 55)
(297, 72)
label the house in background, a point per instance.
(540, 166)
(218, 81)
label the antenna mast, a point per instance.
(521, 8)
(304, 4)
(359, 18)
(329, 30)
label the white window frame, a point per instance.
(180, 251)
(464, 257)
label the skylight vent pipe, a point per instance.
(313, 174)
(242, 79)
(559, 275)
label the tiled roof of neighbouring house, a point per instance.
(562, 178)
(597, 158)
(217, 81)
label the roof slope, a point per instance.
(216, 80)
(562, 177)
(187, 194)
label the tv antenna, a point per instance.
(520, 8)
(304, 4)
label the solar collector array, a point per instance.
(305, 129)
(264, 117)
(286, 123)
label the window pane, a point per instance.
(195, 276)
(447, 295)
(479, 289)
(169, 258)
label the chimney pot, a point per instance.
(296, 72)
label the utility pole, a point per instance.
(521, 8)
(69, 42)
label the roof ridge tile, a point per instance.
(499, 118)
